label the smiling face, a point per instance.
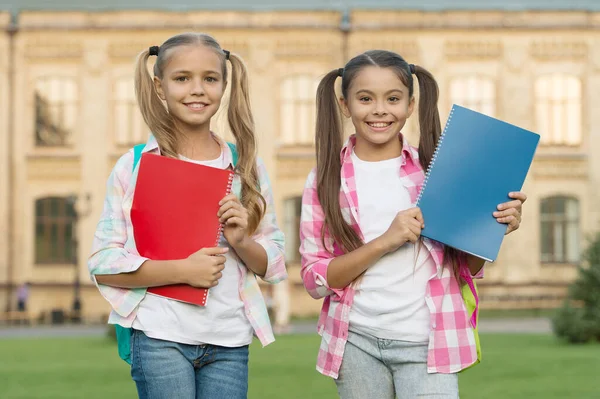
(192, 85)
(379, 104)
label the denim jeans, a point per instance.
(384, 369)
(168, 370)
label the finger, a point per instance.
(519, 196)
(219, 261)
(220, 268)
(415, 229)
(414, 222)
(508, 220)
(511, 204)
(416, 213)
(229, 197)
(512, 226)
(218, 276)
(237, 221)
(227, 206)
(506, 213)
(215, 283)
(229, 214)
(412, 237)
(214, 251)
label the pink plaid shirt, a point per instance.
(451, 340)
(114, 250)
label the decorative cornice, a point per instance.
(54, 49)
(49, 168)
(489, 20)
(407, 48)
(197, 20)
(553, 50)
(294, 167)
(302, 48)
(473, 49)
(554, 168)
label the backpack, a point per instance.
(124, 333)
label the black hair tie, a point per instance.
(227, 53)
(412, 68)
(154, 50)
(341, 72)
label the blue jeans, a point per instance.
(385, 368)
(166, 370)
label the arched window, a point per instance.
(560, 230)
(298, 110)
(56, 102)
(474, 92)
(129, 126)
(54, 221)
(558, 109)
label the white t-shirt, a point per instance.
(390, 300)
(221, 322)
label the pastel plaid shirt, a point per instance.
(114, 249)
(452, 344)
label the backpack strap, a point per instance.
(137, 154)
(234, 153)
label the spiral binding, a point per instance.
(435, 154)
(221, 226)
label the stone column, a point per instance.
(5, 170)
(95, 138)
(263, 88)
(592, 127)
(519, 258)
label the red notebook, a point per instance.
(174, 214)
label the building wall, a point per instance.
(99, 48)
(4, 155)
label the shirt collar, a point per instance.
(152, 146)
(408, 151)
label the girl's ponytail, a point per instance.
(241, 122)
(329, 140)
(431, 129)
(153, 111)
(429, 117)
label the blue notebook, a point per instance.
(478, 161)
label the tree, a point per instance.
(578, 321)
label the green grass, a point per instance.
(514, 366)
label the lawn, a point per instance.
(514, 366)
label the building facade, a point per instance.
(67, 112)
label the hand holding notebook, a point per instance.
(478, 161)
(174, 214)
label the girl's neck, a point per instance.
(372, 152)
(199, 145)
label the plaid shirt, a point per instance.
(452, 344)
(114, 249)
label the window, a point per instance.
(476, 93)
(292, 209)
(54, 222)
(558, 109)
(298, 110)
(129, 126)
(560, 230)
(55, 111)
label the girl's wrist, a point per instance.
(178, 274)
(243, 244)
(381, 245)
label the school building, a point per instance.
(67, 112)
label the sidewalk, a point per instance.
(521, 326)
